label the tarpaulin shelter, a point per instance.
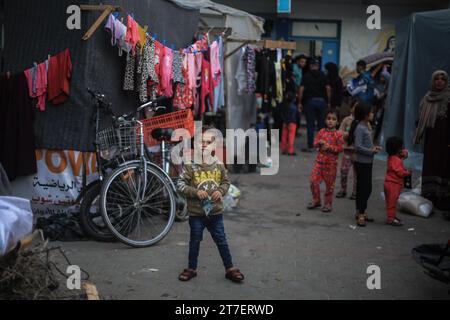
(422, 47)
(35, 29)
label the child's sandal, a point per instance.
(187, 275)
(361, 221)
(234, 275)
(341, 194)
(395, 222)
(312, 206)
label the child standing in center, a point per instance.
(365, 150)
(330, 143)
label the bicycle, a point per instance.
(137, 199)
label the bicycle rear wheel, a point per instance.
(138, 207)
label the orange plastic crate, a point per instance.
(183, 119)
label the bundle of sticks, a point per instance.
(33, 271)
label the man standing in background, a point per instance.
(315, 91)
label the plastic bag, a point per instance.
(231, 199)
(414, 204)
(16, 222)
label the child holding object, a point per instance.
(204, 185)
(330, 143)
(394, 179)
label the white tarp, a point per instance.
(229, 11)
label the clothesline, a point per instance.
(154, 38)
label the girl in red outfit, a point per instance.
(289, 116)
(330, 143)
(394, 179)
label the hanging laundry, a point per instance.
(266, 76)
(37, 84)
(130, 70)
(178, 67)
(132, 36)
(17, 148)
(216, 68)
(144, 69)
(59, 76)
(142, 37)
(279, 83)
(192, 75)
(241, 74)
(219, 96)
(206, 86)
(250, 69)
(117, 31)
(167, 73)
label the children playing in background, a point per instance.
(347, 159)
(330, 143)
(395, 174)
(289, 117)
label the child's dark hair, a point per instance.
(289, 98)
(394, 145)
(361, 63)
(333, 112)
(362, 110)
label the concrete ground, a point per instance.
(284, 250)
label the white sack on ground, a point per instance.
(414, 204)
(16, 222)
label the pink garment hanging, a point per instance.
(166, 68)
(41, 83)
(192, 76)
(132, 36)
(215, 63)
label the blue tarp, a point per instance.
(422, 47)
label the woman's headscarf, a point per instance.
(434, 104)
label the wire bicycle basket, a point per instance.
(123, 139)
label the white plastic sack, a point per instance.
(231, 199)
(16, 222)
(415, 204)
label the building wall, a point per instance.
(357, 41)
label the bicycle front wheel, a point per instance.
(138, 207)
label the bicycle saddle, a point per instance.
(162, 134)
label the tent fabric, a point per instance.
(35, 29)
(420, 50)
(206, 4)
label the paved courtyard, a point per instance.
(285, 251)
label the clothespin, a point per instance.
(116, 14)
(155, 36)
(172, 46)
(164, 42)
(132, 15)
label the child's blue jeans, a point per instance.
(215, 226)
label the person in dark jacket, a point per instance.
(316, 92)
(336, 85)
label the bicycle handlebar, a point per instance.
(101, 99)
